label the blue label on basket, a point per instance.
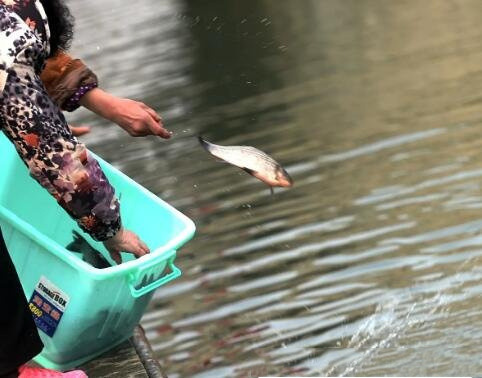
(47, 305)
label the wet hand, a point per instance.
(138, 119)
(79, 130)
(135, 117)
(125, 241)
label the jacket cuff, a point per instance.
(73, 102)
(64, 78)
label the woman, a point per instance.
(35, 124)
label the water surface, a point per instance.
(372, 263)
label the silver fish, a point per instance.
(89, 255)
(253, 161)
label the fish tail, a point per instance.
(203, 142)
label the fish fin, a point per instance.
(73, 246)
(76, 244)
(249, 170)
(204, 143)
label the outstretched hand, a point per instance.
(135, 117)
(138, 119)
(125, 241)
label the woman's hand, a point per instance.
(79, 130)
(125, 241)
(135, 117)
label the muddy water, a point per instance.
(372, 263)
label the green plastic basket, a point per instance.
(91, 310)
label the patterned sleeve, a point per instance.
(43, 140)
(67, 80)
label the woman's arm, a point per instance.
(67, 79)
(71, 83)
(43, 140)
(54, 157)
(135, 117)
(60, 163)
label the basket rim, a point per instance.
(161, 253)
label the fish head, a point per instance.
(283, 179)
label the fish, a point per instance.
(89, 254)
(253, 161)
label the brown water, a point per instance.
(372, 263)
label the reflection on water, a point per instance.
(371, 264)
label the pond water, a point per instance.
(372, 263)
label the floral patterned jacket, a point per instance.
(39, 131)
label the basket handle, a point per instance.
(139, 292)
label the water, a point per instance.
(372, 263)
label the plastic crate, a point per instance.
(91, 310)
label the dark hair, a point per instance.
(61, 24)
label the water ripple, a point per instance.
(372, 261)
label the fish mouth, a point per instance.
(285, 182)
(283, 179)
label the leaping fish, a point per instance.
(253, 161)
